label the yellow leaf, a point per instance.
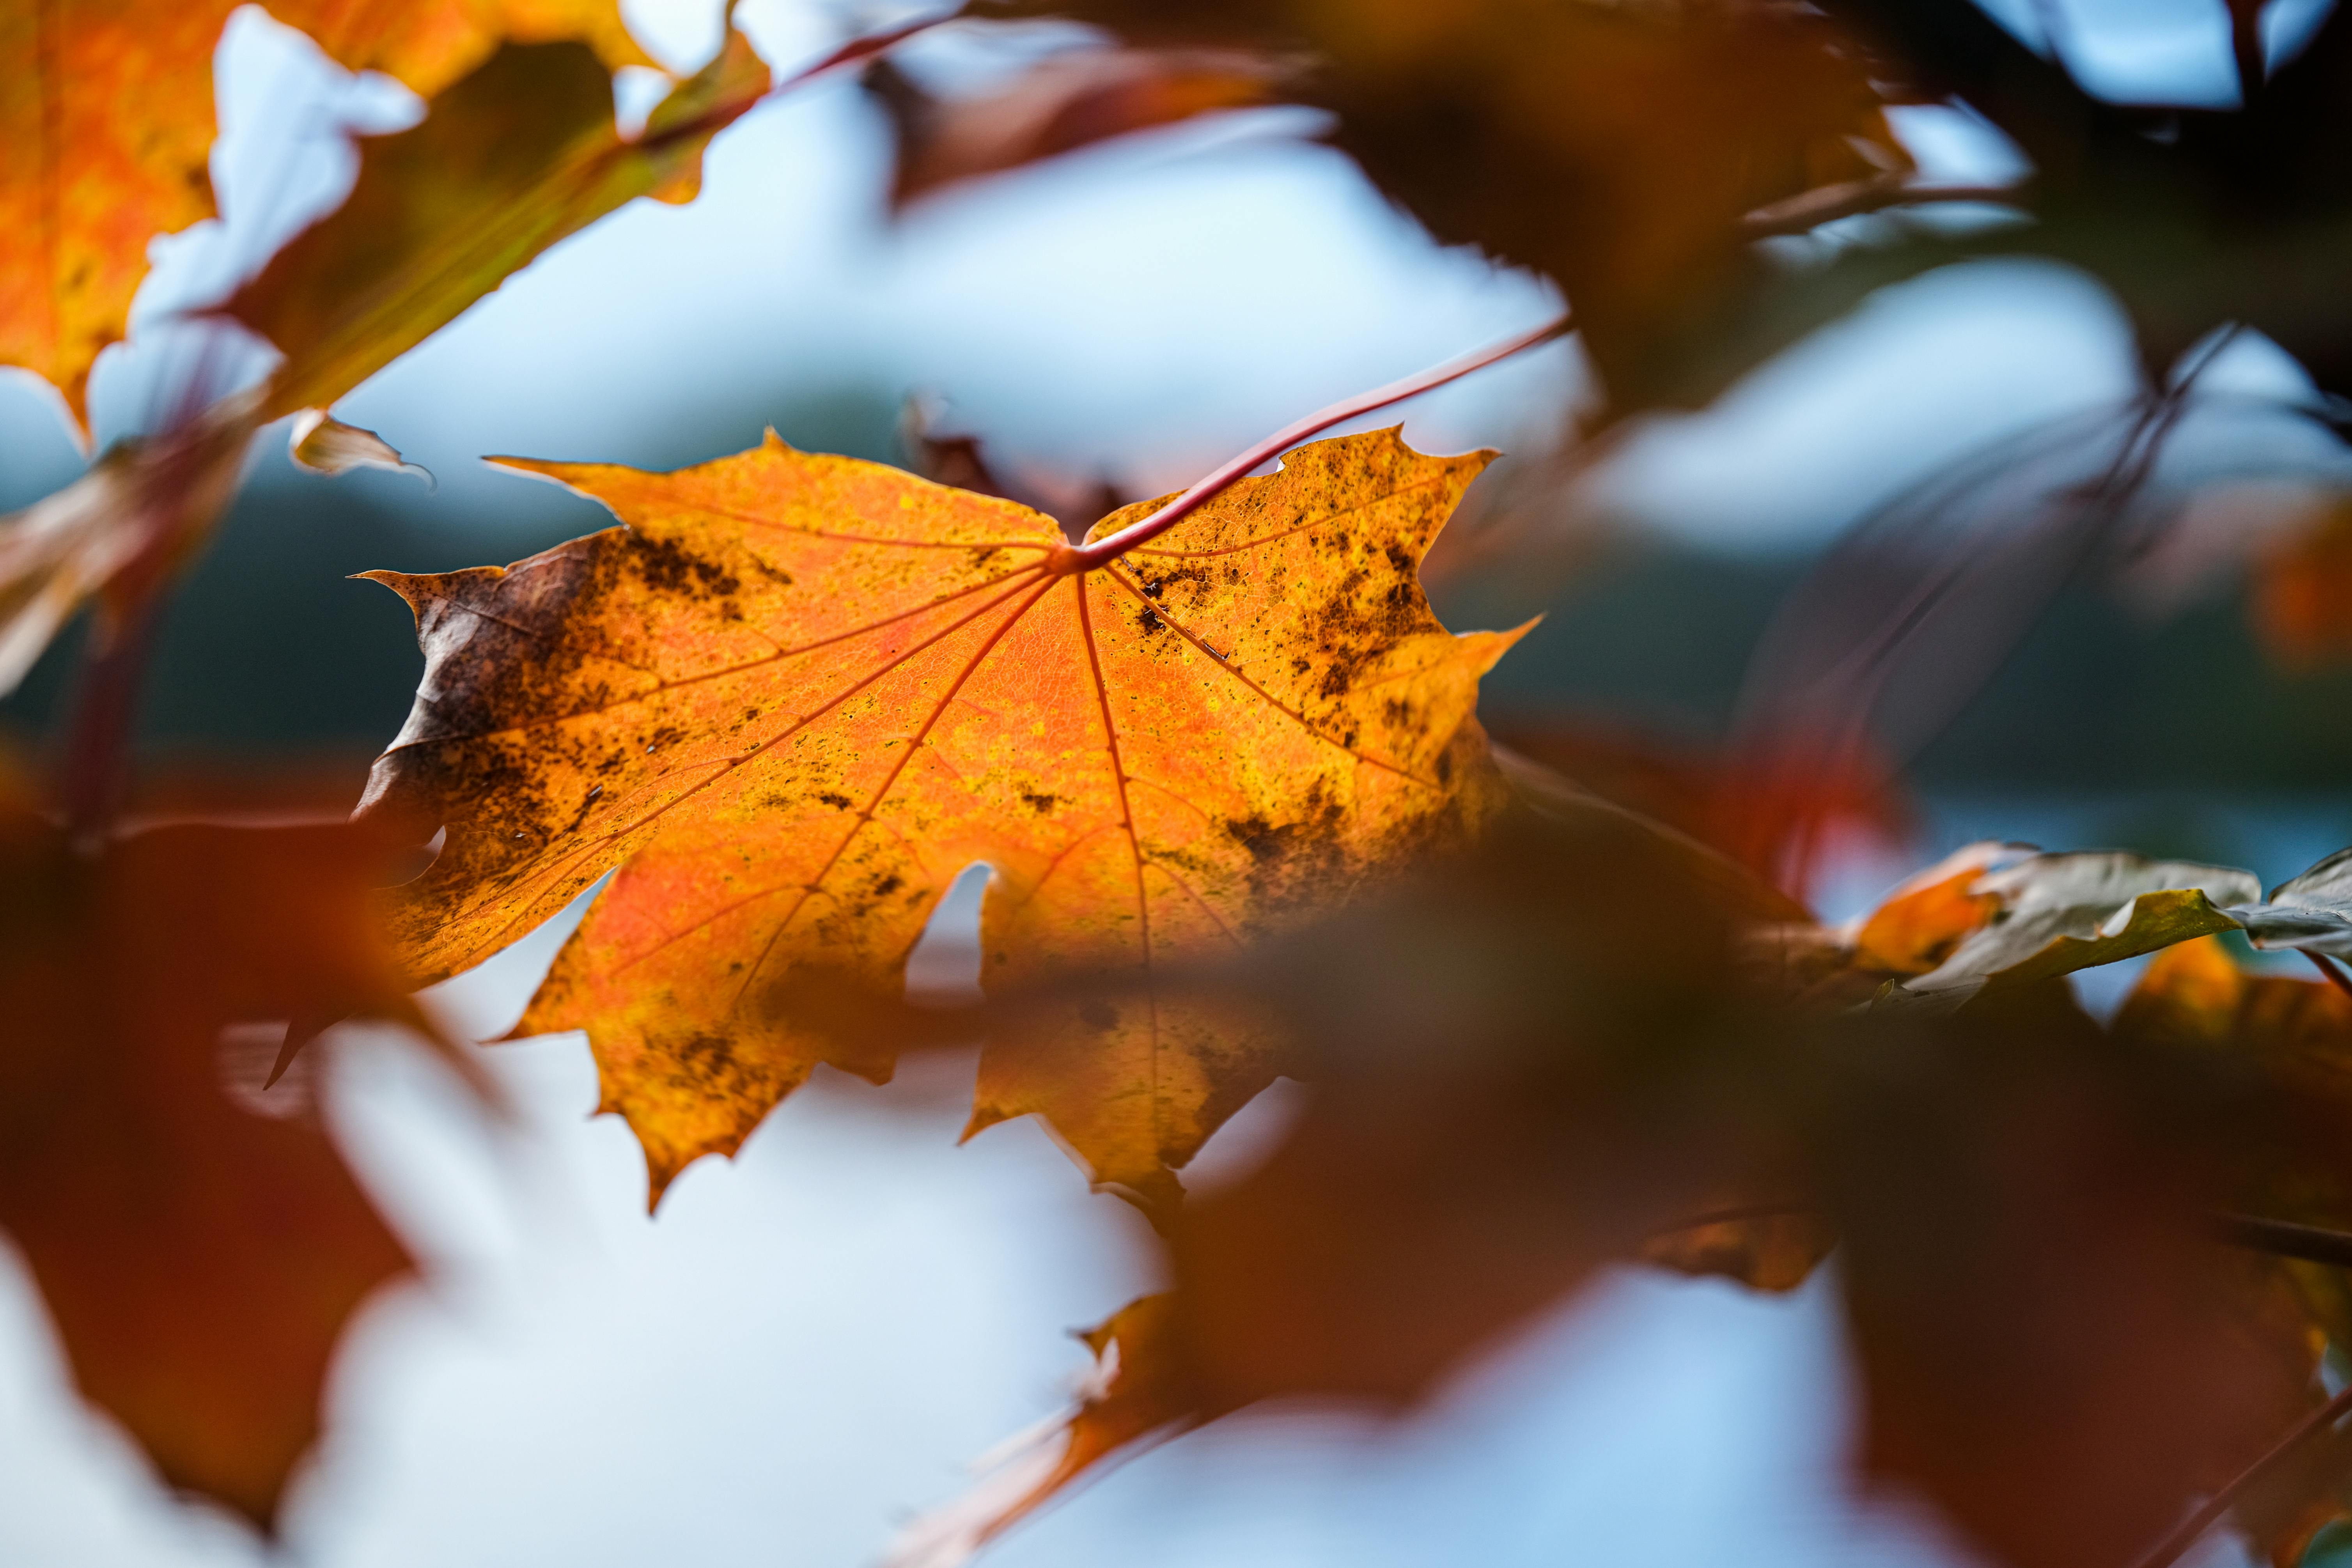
(106, 111)
(799, 694)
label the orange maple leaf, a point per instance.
(199, 1260)
(799, 694)
(106, 108)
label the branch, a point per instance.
(1854, 197)
(2330, 968)
(1101, 552)
(719, 116)
(860, 48)
(2285, 1239)
(2190, 1531)
(2246, 47)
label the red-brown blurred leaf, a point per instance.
(2302, 594)
(2294, 1037)
(1766, 1246)
(2053, 1346)
(1776, 833)
(199, 1258)
(1529, 1064)
(1064, 102)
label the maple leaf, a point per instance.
(798, 694)
(2311, 910)
(429, 45)
(326, 446)
(106, 109)
(199, 1260)
(1916, 927)
(2059, 913)
(507, 162)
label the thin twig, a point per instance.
(1800, 213)
(719, 116)
(2190, 1531)
(861, 48)
(1086, 557)
(2286, 1238)
(2330, 968)
(2246, 48)
(95, 772)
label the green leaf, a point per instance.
(2063, 912)
(2313, 911)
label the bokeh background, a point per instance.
(809, 1343)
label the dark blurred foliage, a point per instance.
(2099, 695)
(1650, 131)
(1556, 1053)
(196, 1239)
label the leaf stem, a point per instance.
(865, 46)
(2190, 1531)
(2286, 1238)
(1101, 552)
(2330, 968)
(1802, 214)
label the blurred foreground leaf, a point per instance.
(1069, 101)
(106, 107)
(517, 156)
(199, 1244)
(123, 526)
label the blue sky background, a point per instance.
(810, 1341)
